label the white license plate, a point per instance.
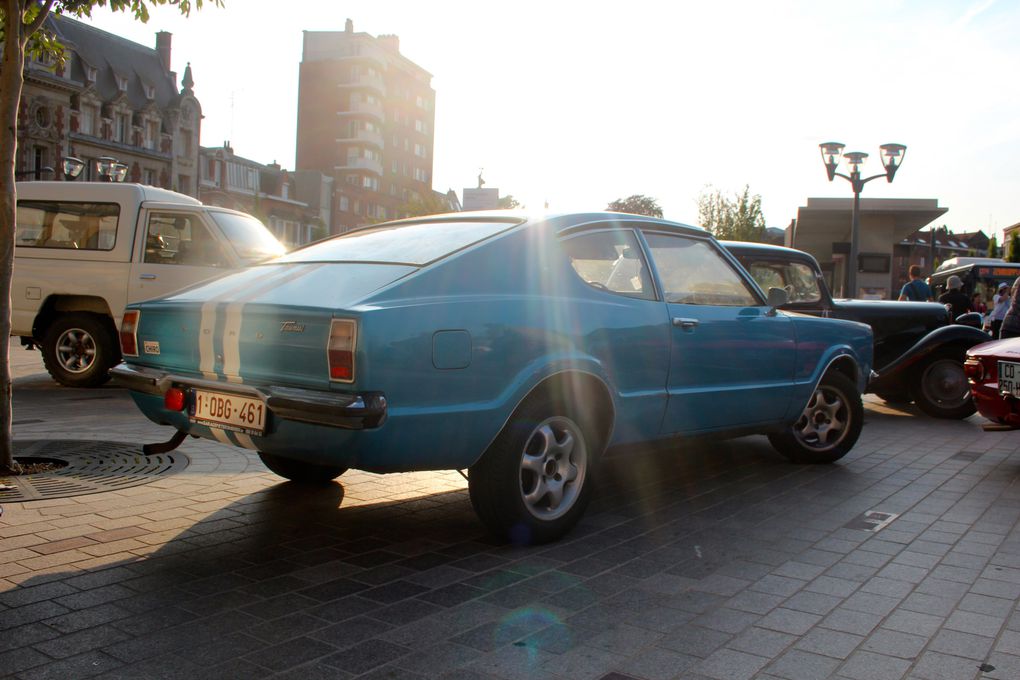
(228, 412)
(1009, 378)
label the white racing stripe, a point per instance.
(232, 336)
(221, 436)
(245, 441)
(207, 326)
(232, 327)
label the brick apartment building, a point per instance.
(113, 98)
(365, 117)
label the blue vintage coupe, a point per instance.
(516, 347)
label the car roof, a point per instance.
(749, 248)
(558, 221)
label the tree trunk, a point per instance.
(12, 77)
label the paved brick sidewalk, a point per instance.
(710, 562)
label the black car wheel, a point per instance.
(940, 389)
(829, 425)
(533, 483)
(300, 471)
(79, 349)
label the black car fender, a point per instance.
(954, 336)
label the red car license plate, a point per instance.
(228, 412)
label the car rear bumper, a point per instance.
(994, 406)
(351, 411)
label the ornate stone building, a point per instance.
(111, 98)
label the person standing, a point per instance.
(915, 289)
(1000, 305)
(1011, 322)
(955, 299)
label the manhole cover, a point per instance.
(92, 467)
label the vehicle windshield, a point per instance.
(416, 243)
(250, 239)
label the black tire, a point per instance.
(940, 388)
(829, 425)
(79, 349)
(299, 471)
(545, 450)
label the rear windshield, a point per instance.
(414, 244)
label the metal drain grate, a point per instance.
(92, 467)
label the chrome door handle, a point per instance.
(686, 324)
(148, 277)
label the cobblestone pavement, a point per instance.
(718, 561)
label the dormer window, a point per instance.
(150, 91)
(122, 82)
(90, 74)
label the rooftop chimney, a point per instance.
(390, 42)
(163, 40)
(349, 26)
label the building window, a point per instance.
(122, 129)
(149, 176)
(344, 204)
(185, 142)
(152, 128)
(419, 150)
(122, 82)
(420, 175)
(420, 126)
(369, 182)
(88, 120)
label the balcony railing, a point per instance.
(362, 137)
(362, 165)
(363, 108)
(364, 81)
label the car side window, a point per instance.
(797, 278)
(180, 238)
(67, 224)
(611, 260)
(694, 273)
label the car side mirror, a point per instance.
(777, 298)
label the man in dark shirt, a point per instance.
(955, 298)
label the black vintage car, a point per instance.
(919, 353)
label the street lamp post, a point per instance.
(110, 169)
(892, 158)
(72, 167)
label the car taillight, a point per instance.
(974, 369)
(340, 351)
(174, 399)
(129, 333)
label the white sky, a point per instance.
(580, 103)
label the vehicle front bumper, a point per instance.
(350, 411)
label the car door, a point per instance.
(179, 250)
(732, 358)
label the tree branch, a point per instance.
(36, 23)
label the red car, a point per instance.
(993, 371)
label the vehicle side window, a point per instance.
(180, 238)
(694, 273)
(64, 224)
(611, 260)
(797, 278)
